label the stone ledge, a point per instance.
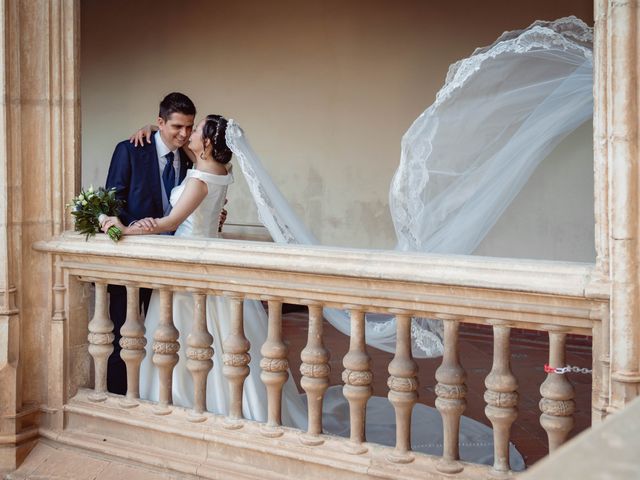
(536, 276)
(529, 294)
(207, 449)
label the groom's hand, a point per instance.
(147, 224)
(223, 216)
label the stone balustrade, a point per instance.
(505, 294)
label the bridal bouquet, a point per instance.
(90, 206)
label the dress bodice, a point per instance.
(203, 222)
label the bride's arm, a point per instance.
(190, 154)
(194, 192)
(145, 132)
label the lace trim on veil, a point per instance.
(568, 33)
(433, 192)
(234, 134)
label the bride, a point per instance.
(557, 100)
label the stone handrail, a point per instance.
(530, 293)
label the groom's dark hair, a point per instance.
(176, 102)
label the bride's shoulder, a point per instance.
(210, 178)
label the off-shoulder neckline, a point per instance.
(210, 177)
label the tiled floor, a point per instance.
(48, 462)
(529, 354)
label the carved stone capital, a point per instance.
(501, 399)
(557, 408)
(274, 364)
(402, 384)
(357, 378)
(236, 359)
(195, 353)
(100, 338)
(318, 370)
(133, 343)
(166, 348)
(451, 392)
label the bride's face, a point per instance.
(195, 140)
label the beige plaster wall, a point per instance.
(325, 91)
(552, 216)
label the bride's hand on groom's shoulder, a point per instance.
(223, 216)
(139, 137)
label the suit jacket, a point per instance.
(135, 174)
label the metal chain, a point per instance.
(567, 369)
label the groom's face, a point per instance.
(176, 129)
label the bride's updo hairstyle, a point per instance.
(214, 130)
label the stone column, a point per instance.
(600, 144)
(601, 359)
(315, 371)
(501, 397)
(616, 134)
(236, 360)
(275, 368)
(403, 386)
(199, 354)
(39, 171)
(10, 381)
(451, 392)
(557, 404)
(357, 377)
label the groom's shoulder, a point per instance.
(130, 149)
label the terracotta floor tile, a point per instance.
(125, 472)
(67, 464)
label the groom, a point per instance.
(143, 177)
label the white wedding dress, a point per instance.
(476, 439)
(203, 223)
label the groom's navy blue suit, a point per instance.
(135, 174)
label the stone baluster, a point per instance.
(236, 362)
(403, 385)
(501, 396)
(451, 391)
(132, 342)
(557, 403)
(274, 367)
(199, 354)
(100, 342)
(165, 351)
(357, 378)
(315, 374)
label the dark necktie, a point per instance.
(169, 175)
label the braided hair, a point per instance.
(214, 130)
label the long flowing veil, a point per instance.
(500, 112)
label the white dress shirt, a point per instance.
(162, 150)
